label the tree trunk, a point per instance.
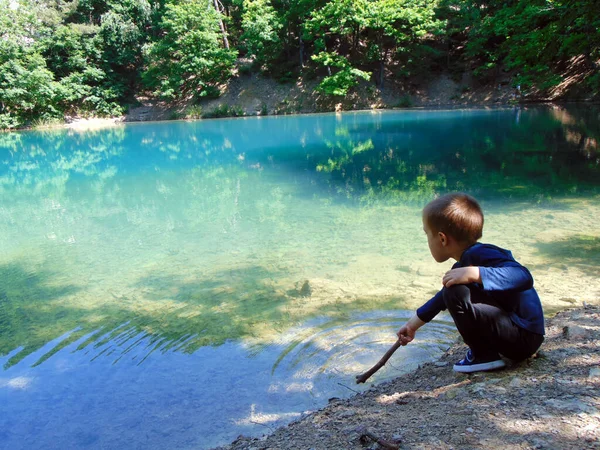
(301, 52)
(222, 25)
(382, 69)
(381, 61)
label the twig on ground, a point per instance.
(347, 387)
(366, 433)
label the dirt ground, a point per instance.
(551, 401)
(255, 95)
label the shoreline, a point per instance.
(551, 400)
(253, 94)
(97, 123)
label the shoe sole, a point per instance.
(482, 367)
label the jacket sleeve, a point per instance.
(432, 308)
(511, 276)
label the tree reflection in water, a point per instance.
(174, 236)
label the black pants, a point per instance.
(487, 329)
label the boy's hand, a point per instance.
(462, 275)
(407, 332)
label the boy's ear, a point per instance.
(443, 238)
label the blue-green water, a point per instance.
(174, 285)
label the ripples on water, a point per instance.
(151, 270)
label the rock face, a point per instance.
(551, 401)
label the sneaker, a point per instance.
(471, 364)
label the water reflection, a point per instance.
(177, 400)
(368, 151)
(196, 233)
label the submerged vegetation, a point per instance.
(86, 57)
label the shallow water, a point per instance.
(178, 284)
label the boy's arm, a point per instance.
(507, 278)
(462, 275)
(493, 269)
(432, 308)
(424, 314)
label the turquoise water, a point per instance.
(174, 285)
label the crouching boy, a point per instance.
(489, 295)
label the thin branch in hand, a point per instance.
(365, 376)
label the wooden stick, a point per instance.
(365, 376)
(366, 433)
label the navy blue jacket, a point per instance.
(504, 283)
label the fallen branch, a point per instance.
(365, 376)
(365, 433)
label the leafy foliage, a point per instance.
(368, 32)
(535, 39)
(27, 87)
(92, 57)
(345, 77)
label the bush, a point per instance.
(176, 115)
(405, 102)
(244, 69)
(46, 123)
(593, 83)
(345, 77)
(193, 112)
(8, 121)
(210, 91)
(224, 110)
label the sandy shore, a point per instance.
(93, 123)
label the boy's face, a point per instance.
(437, 242)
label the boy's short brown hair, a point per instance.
(457, 215)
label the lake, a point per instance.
(177, 284)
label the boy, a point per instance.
(489, 295)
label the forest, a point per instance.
(96, 58)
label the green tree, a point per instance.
(400, 30)
(366, 32)
(121, 37)
(189, 57)
(261, 26)
(538, 40)
(294, 16)
(580, 22)
(335, 30)
(27, 87)
(74, 54)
